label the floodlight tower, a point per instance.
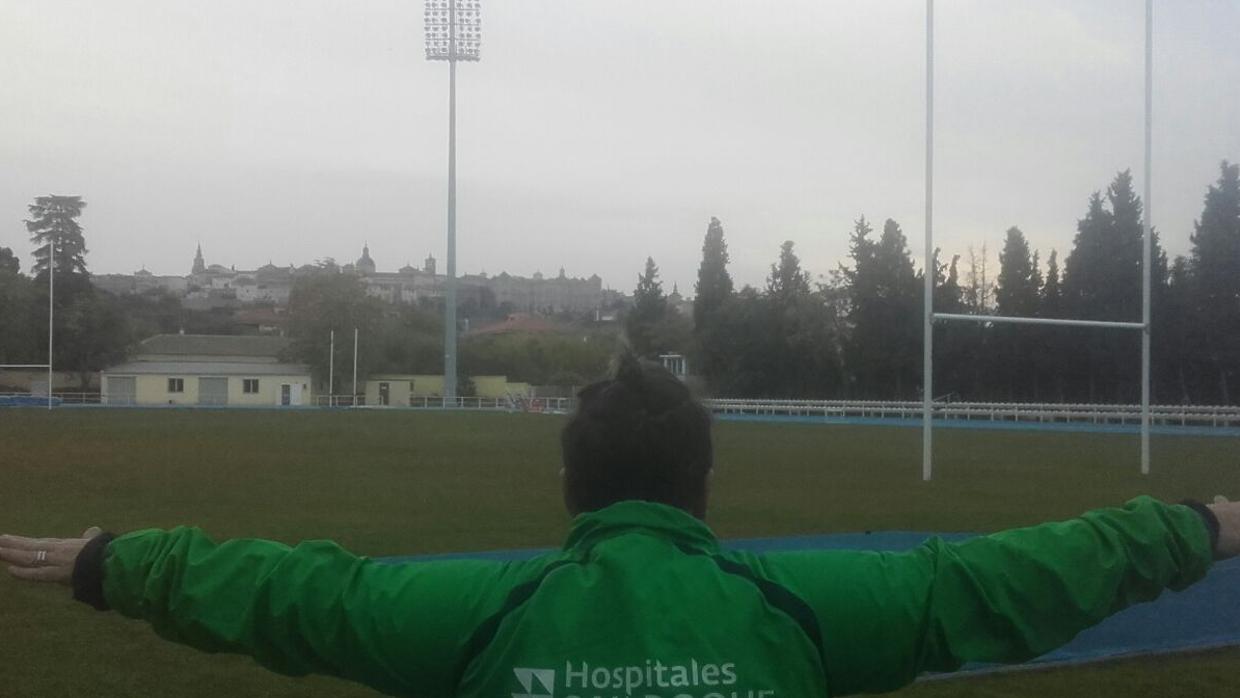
(453, 33)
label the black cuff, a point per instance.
(1211, 521)
(88, 572)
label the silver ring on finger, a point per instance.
(40, 557)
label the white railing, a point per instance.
(1180, 415)
(339, 400)
(555, 405)
(1171, 415)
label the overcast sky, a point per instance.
(593, 134)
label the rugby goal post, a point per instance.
(927, 459)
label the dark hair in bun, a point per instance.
(639, 435)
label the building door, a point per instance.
(286, 394)
(385, 393)
(212, 391)
(122, 390)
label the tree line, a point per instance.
(856, 332)
(95, 329)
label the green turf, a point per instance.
(385, 483)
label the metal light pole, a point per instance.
(51, 314)
(929, 272)
(354, 402)
(453, 33)
(331, 369)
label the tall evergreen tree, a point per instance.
(648, 311)
(53, 220)
(1016, 295)
(1051, 344)
(787, 280)
(801, 358)
(1103, 281)
(1016, 292)
(1215, 267)
(714, 283)
(714, 344)
(91, 332)
(1051, 296)
(884, 314)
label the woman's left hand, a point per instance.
(44, 559)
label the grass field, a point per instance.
(390, 483)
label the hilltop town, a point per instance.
(209, 286)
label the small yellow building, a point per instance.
(208, 370)
(404, 389)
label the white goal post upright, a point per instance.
(1147, 242)
(927, 459)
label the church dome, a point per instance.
(365, 264)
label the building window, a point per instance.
(249, 385)
(176, 385)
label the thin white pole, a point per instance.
(354, 366)
(449, 328)
(1147, 240)
(331, 369)
(51, 313)
(927, 356)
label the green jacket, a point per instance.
(641, 601)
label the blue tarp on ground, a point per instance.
(1204, 615)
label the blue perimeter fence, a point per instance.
(1204, 616)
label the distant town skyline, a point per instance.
(209, 285)
(593, 135)
(391, 265)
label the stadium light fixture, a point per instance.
(453, 33)
(445, 16)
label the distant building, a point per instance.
(365, 265)
(679, 303)
(517, 323)
(199, 265)
(210, 286)
(405, 390)
(208, 370)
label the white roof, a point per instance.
(207, 368)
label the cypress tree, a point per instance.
(1215, 267)
(714, 283)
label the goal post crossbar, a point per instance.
(1010, 319)
(929, 316)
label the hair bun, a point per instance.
(654, 388)
(629, 372)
